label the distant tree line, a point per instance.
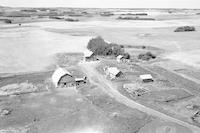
(185, 29)
(101, 47)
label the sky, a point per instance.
(104, 3)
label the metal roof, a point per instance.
(79, 79)
(113, 70)
(119, 57)
(146, 76)
(88, 53)
(58, 74)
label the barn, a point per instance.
(120, 58)
(113, 72)
(62, 78)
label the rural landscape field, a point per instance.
(155, 53)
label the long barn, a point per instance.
(62, 78)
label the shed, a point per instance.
(146, 78)
(113, 72)
(80, 80)
(120, 58)
(88, 55)
(62, 78)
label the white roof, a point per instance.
(79, 79)
(58, 73)
(88, 53)
(113, 70)
(119, 57)
(107, 41)
(146, 76)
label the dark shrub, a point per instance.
(29, 10)
(8, 21)
(100, 47)
(147, 56)
(122, 46)
(185, 29)
(143, 47)
(56, 17)
(71, 20)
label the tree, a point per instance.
(147, 56)
(100, 47)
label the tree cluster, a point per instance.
(101, 47)
(147, 56)
(185, 29)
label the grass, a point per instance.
(67, 59)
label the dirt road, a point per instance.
(96, 78)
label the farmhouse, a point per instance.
(120, 58)
(63, 78)
(146, 78)
(113, 72)
(88, 55)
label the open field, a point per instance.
(39, 40)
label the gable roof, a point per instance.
(79, 79)
(58, 74)
(88, 53)
(113, 70)
(146, 76)
(119, 57)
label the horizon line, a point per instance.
(100, 7)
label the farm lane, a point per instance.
(96, 78)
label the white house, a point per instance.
(62, 78)
(113, 72)
(120, 58)
(88, 55)
(146, 78)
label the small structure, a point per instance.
(63, 78)
(120, 58)
(80, 81)
(113, 72)
(88, 55)
(146, 78)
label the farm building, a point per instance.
(80, 80)
(120, 58)
(88, 55)
(63, 78)
(146, 78)
(113, 72)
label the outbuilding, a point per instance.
(113, 72)
(80, 81)
(146, 78)
(62, 78)
(120, 58)
(88, 55)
